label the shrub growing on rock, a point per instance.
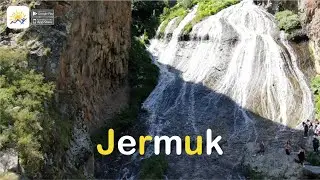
(288, 21)
(315, 86)
(207, 8)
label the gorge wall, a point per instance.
(85, 52)
(309, 12)
(86, 55)
(312, 11)
(94, 64)
(93, 71)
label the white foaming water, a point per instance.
(236, 53)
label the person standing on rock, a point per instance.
(287, 147)
(315, 143)
(316, 126)
(308, 122)
(306, 129)
(311, 130)
(262, 148)
(301, 156)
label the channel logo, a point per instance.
(18, 17)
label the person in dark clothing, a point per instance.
(262, 148)
(287, 147)
(315, 143)
(311, 130)
(306, 129)
(308, 122)
(301, 156)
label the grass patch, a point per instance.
(288, 21)
(154, 167)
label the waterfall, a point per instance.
(236, 69)
(237, 53)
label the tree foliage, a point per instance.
(24, 121)
(145, 17)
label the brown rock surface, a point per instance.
(94, 64)
(312, 10)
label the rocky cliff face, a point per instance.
(93, 71)
(94, 64)
(312, 10)
(309, 11)
(86, 54)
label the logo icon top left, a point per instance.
(18, 17)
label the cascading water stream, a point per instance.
(236, 54)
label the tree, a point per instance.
(24, 120)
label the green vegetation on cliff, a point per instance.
(25, 122)
(315, 86)
(288, 21)
(143, 77)
(180, 10)
(177, 11)
(207, 8)
(145, 17)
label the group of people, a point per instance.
(309, 129)
(301, 152)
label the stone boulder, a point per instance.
(311, 171)
(8, 160)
